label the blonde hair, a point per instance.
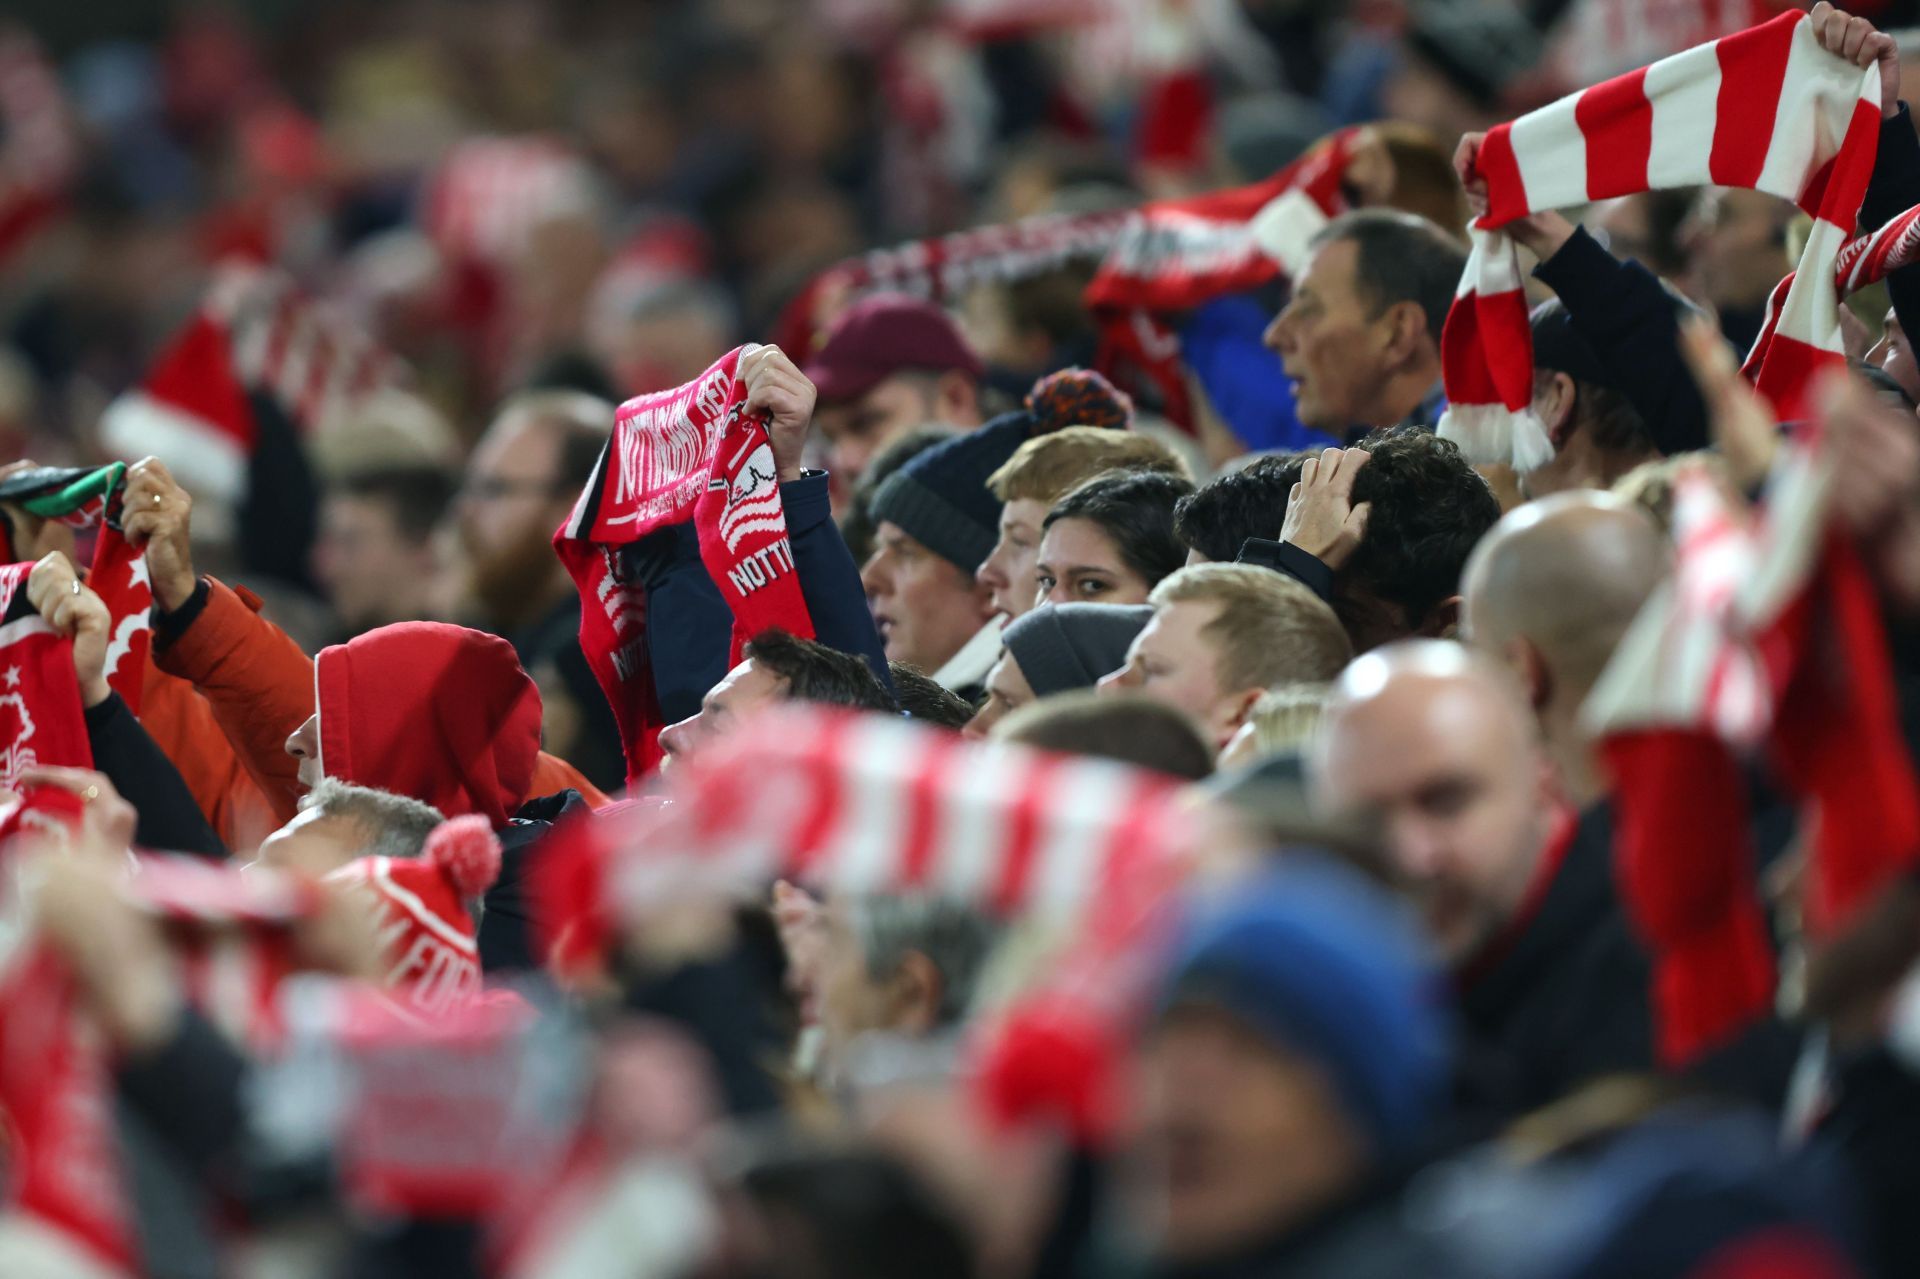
(1047, 467)
(1285, 718)
(1270, 629)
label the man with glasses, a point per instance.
(520, 485)
(525, 474)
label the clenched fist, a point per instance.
(157, 514)
(777, 387)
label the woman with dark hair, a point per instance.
(1110, 540)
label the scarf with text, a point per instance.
(691, 453)
(1765, 110)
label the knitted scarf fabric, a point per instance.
(1768, 636)
(41, 720)
(1176, 254)
(691, 453)
(91, 500)
(1765, 110)
(1156, 261)
(858, 804)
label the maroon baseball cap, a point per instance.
(881, 335)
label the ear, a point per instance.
(914, 994)
(955, 398)
(1554, 405)
(1231, 712)
(1406, 331)
(1442, 620)
(1525, 660)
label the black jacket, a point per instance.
(1630, 320)
(506, 935)
(1566, 1000)
(1893, 189)
(170, 819)
(1874, 1129)
(1371, 1235)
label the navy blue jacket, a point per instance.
(1632, 323)
(688, 623)
(1893, 189)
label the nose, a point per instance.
(1275, 338)
(675, 738)
(1114, 681)
(983, 720)
(989, 574)
(304, 741)
(1417, 846)
(874, 578)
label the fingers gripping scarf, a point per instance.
(1765, 110)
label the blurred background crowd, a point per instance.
(369, 273)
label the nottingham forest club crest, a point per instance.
(17, 753)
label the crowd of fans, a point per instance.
(879, 638)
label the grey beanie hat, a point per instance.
(1061, 647)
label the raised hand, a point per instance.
(777, 387)
(55, 590)
(1743, 424)
(1861, 43)
(107, 821)
(157, 514)
(1540, 233)
(1321, 518)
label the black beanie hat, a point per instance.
(941, 497)
(1061, 647)
(1479, 47)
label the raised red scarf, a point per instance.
(691, 453)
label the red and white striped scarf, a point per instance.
(861, 804)
(1156, 261)
(1768, 634)
(1765, 110)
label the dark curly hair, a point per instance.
(1135, 509)
(1218, 518)
(1430, 509)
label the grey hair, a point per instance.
(956, 940)
(395, 825)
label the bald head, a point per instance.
(1437, 745)
(1567, 575)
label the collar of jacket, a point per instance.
(1572, 894)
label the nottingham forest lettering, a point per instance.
(760, 567)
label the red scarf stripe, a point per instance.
(1617, 121)
(1753, 69)
(1650, 129)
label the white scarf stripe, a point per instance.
(1684, 92)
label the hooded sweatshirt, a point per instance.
(436, 712)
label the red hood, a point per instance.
(441, 713)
